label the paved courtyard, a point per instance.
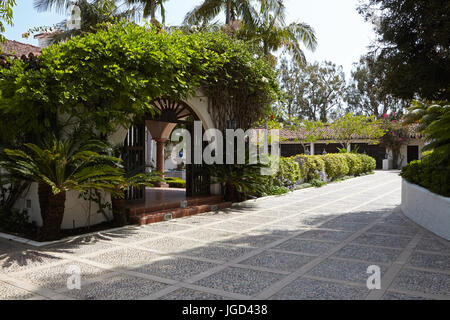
(311, 244)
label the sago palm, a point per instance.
(60, 166)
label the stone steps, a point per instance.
(169, 211)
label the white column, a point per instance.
(311, 148)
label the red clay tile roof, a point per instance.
(328, 134)
(18, 49)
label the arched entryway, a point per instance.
(159, 126)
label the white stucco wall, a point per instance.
(80, 213)
(403, 157)
(427, 209)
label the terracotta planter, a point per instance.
(118, 208)
(52, 212)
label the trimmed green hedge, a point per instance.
(431, 173)
(369, 163)
(176, 183)
(310, 166)
(288, 174)
(355, 164)
(335, 165)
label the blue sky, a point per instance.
(342, 34)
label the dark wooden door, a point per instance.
(198, 180)
(374, 150)
(134, 158)
(412, 153)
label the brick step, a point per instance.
(138, 211)
(169, 214)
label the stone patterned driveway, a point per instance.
(311, 244)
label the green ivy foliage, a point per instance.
(108, 78)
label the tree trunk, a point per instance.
(52, 212)
(395, 154)
(228, 13)
(118, 208)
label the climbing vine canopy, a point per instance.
(108, 78)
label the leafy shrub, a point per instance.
(317, 183)
(176, 183)
(368, 163)
(14, 220)
(288, 173)
(273, 190)
(355, 164)
(310, 166)
(335, 165)
(432, 173)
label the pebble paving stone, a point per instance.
(435, 245)
(25, 260)
(171, 244)
(306, 246)
(216, 252)
(343, 270)
(55, 277)
(117, 288)
(422, 281)
(165, 227)
(376, 255)
(206, 234)
(124, 258)
(188, 294)
(430, 261)
(390, 229)
(249, 251)
(128, 235)
(325, 235)
(233, 226)
(175, 268)
(278, 261)
(390, 295)
(7, 246)
(249, 240)
(237, 280)
(9, 292)
(310, 289)
(383, 240)
(345, 226)
(82, 246)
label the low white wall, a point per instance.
(78, 213)
(427, 209)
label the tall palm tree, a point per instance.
(149, 8)
(271, 32)
(234, 9)
(93, 13)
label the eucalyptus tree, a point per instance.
(6, 15)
